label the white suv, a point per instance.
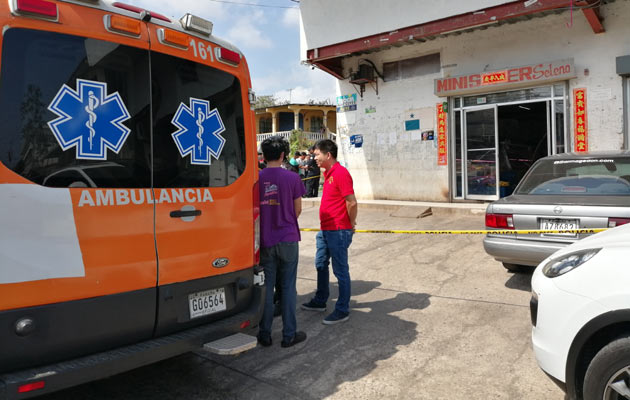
(580, 310)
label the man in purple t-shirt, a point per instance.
(280, 205)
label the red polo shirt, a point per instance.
(333, 213)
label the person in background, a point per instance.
(338, 217)
(312, 172)
(280, 206)
(295, 162)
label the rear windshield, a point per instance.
(82, 112)
(608, 176)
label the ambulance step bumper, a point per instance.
(80, 370)
(230, 345)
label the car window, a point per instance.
(609, 176)
(73, 102)
(199, 133)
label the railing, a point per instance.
(312, 136)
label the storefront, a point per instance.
(503, 121)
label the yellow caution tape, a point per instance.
(312, 177)
(472, 232)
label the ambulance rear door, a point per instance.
(203, 185)
(77, 250)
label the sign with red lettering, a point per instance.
(441, 135)
(527, 75)
(580, 119)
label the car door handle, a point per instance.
(185, 213)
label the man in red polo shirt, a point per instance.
(338, 215)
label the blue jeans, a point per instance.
(333, 244)
(280, 259)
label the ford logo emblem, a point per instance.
(557, 210)
(220, 262)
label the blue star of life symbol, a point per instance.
(89, 119)
(199, 131)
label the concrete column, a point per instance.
(296, 119)
(274, 121)
(325, 120)
(257, 123)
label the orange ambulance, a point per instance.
(128, 193)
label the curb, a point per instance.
(412, 209)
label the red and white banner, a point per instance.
(580, 119)
(441, 135)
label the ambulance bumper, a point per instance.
(80, 370)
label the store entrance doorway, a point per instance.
(523, 138)
(499, 136)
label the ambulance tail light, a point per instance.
(256, 224)
(228, 56)
(499, 221)
(39, 8)
(195, 24)
(29, 387)
(124, 25)
(173, 38)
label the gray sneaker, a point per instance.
(336, 317)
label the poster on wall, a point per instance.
(580, 119)
(347, 102)
(441, 135)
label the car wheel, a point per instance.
(608, 374)
(517, 267)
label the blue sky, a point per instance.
(268, 36)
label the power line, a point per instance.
(252, 4)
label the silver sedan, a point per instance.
(560, 192)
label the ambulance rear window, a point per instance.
(77, 112)
(35, 67)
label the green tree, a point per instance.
(298, 141)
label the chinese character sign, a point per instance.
(581, 122)
(441, 134)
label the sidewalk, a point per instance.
(415, 209)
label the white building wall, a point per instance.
(327, 22)
(392, 164)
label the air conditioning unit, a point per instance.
(364, 75)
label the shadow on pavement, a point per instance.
(520, 281)
(330, 357)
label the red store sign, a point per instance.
(527, 75)
(580, 119)
(441, 135)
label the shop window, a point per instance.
(411, 67)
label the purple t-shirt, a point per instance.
(278, 190)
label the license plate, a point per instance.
(559, 225)
(206, 302)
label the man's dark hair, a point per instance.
(273, 147)
(327, 146)
(297, 154)
(304, 153)
(312, 148)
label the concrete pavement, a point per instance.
(433, 317)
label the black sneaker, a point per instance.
(314, 306)
(265, 342)
(336, 317)
(298, 338)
